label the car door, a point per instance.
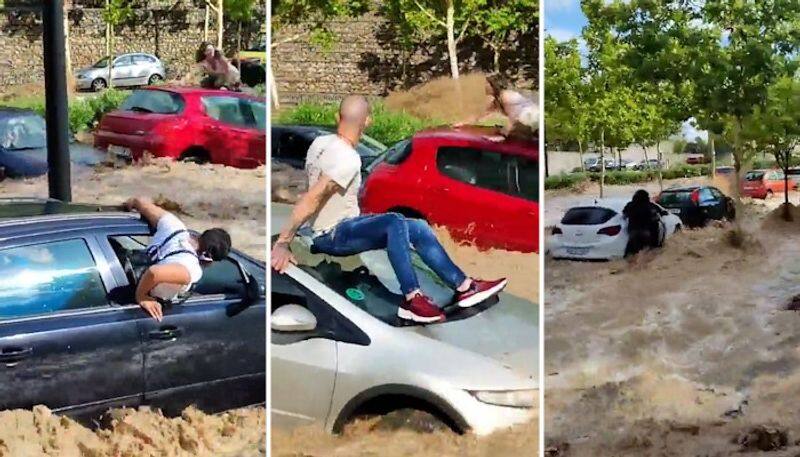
(255, 114)
(304, 364)
(62, 342)
(121, 73)
(140, 70)
(474, 195)
(226, 132)
(721, 208)
(210, 350)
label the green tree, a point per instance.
(775, 128)
(115, 13)
(430, 19)
(498, 22)
(240, 11)
(729, 51)
(565, 95)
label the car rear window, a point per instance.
(398, 153)
(754, 176)
(153, 101)
(675, 197)
(588, 216)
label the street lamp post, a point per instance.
(56, 108)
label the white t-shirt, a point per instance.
(335, 158)
(167, 225)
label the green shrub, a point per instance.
(565, 180)
(388, 127)
(81, 116)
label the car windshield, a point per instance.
(675, 197)
(754, 176)
(589, 215)
(368, 281)
(22, 132)
(102, 63)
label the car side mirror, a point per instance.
(293, 318)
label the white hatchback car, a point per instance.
(598, 231)
(338, 350)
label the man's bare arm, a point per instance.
(170, 273)
(149, 210)
(309, 204)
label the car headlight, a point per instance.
(510, 398)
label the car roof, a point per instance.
(617, 204)
(687, 188)
(478, 134)
(199, 91)
(25, 216)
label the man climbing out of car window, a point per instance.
(331, 207)
(176, 257)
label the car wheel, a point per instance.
(198, 156)
(99, 84)
(154, 79)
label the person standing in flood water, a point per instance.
(643, 220)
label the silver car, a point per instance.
(135, 69)
(338, 350)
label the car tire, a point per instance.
(99, 84)
(195, 155)
(154, 79)
(678, 229)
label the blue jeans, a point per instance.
(396, 234)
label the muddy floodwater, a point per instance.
(688, 351)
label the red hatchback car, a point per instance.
(764, 183)
(217, 126)
(483, 191)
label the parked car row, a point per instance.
(595, 165)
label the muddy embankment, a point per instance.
(690, 350)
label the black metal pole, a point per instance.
(56, 109)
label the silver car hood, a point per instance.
(507, 332)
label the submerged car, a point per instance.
(135, 69)
(185, 123)
(483, 191)
(73, 338)
(598, 231)
(23, 145)
(765, 183)
(339, 351)
(696, 205)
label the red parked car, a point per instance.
(483, 191)
(184, 123)
(764, 183)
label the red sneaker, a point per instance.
(479, 291)
(420, 309)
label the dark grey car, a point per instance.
(72, 337)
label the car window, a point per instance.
(294, 146)
(123, 61)
(398, 153)
(706, 195)
(588, 215)
(716, 193)
(222, 277)
(22, 132)
(229, 110)
(675, 197)
(258, 113)
(525, 178)
(142, 59)
(49, 277)
(153, 101)
(485, 169)
(754, 176)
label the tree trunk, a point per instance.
(110, 54)
(205, 24)
(496, 52)
(646, 160)
(658, 156)
(580, 154)
(619, 158)
(273, 88)
(713, 155)
(220, 25)
(451, 39)
(239, 48)
(602, 160)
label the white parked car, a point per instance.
(598, 231)
(135, 69)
